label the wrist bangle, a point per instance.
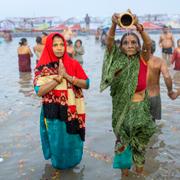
(74, 80)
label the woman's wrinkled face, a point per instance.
(58, 46)
(130, 45)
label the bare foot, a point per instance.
(125, 172)
(140, 171)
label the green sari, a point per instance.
(131, 121)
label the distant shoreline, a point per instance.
(92, 32)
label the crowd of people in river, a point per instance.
(130, 69)
(75, 50)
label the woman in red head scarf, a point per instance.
(59, 80)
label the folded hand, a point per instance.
(61, 70)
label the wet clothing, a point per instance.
(62, 121)
(155, 107)
(79, 52)
(60, 143)
(167, 50)
(24, 61)
(131, 121)
(176, 59)
(135, 130)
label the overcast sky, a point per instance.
(78, 8)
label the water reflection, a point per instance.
(74, 174)
(25, 82)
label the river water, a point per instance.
(20, 151)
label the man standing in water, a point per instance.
(87, 21)
(166, 42)
(156, 66)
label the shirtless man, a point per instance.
(38, 48)
(87, 21)
(156, 66)
(166, 42)
(44, 37)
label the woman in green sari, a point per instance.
(125, 70)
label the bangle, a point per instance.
(74, 80)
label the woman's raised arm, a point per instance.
(112, 31)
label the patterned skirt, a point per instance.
(135, 132)
(65, 150)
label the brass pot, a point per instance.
(125, 20)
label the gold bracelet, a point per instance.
(74, 80)
(73, 77)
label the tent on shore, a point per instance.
(75, 27)
(59, 27)
(151, 26)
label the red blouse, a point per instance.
(141, 85)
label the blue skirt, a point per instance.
(65, 150)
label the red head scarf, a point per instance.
(72, 66)
(48, 55)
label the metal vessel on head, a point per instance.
(125, 20)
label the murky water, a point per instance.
(20, 150)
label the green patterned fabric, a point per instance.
(131, 121)
(136, 129)
(122, 86)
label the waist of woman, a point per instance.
(138, 96)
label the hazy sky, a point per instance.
(78, 8)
